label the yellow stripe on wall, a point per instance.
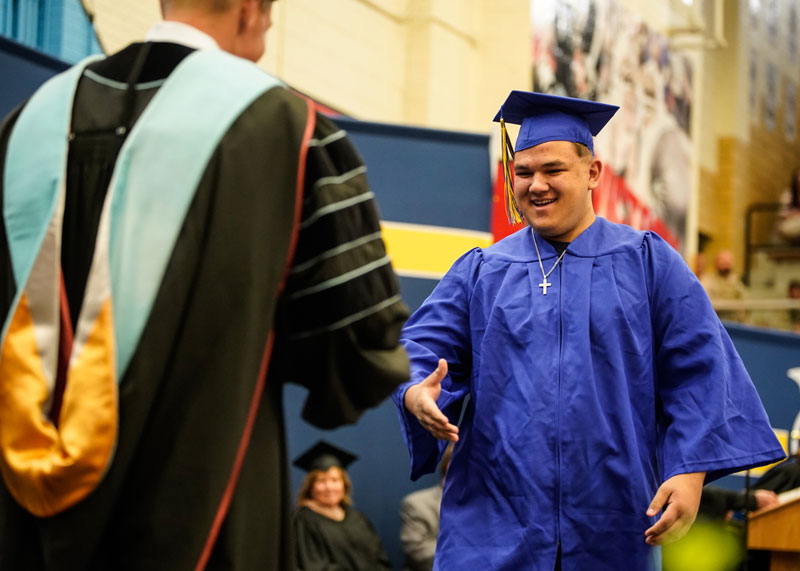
(421, 251)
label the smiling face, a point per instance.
(552, 186)
(328, 488)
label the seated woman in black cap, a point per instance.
(331, 534)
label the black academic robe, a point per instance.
(324, 544)
(715, 502)
(255, 293)
(781, 477)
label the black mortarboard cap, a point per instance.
(324, 455)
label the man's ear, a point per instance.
(595, 170)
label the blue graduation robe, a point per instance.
(581, 402)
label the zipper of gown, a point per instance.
(558, 414)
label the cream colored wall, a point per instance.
(344, 53)
(119, 22)
(436, 63)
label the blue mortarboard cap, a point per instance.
(545, 118)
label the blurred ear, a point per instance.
(242, 19)
(248, 15)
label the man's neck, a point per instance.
(219, 27)
(181, 33)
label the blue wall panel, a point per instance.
(426, 176)
(768, 355)
(416, 290)
(22, 70)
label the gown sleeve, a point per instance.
(341, 312)
(711, 417)
(439, 329)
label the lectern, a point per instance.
(777, 529)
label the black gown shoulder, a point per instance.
(324, 544)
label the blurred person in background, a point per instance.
(331, 533)
(793, 292)
(789, 215)
(419, 514)
(724, 284)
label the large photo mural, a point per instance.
(597, 49)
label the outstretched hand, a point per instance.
(679, 497)
(420, 400)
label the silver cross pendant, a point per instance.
(544, 285)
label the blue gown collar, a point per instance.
(600, 238)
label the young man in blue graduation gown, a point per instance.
(203, 231)
(603, 390)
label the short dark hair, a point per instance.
(214, 6)
(581, 149)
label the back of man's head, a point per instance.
(237, 26)
(205, 5)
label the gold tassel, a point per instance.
(512, 211)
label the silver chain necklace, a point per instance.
(545, 284)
